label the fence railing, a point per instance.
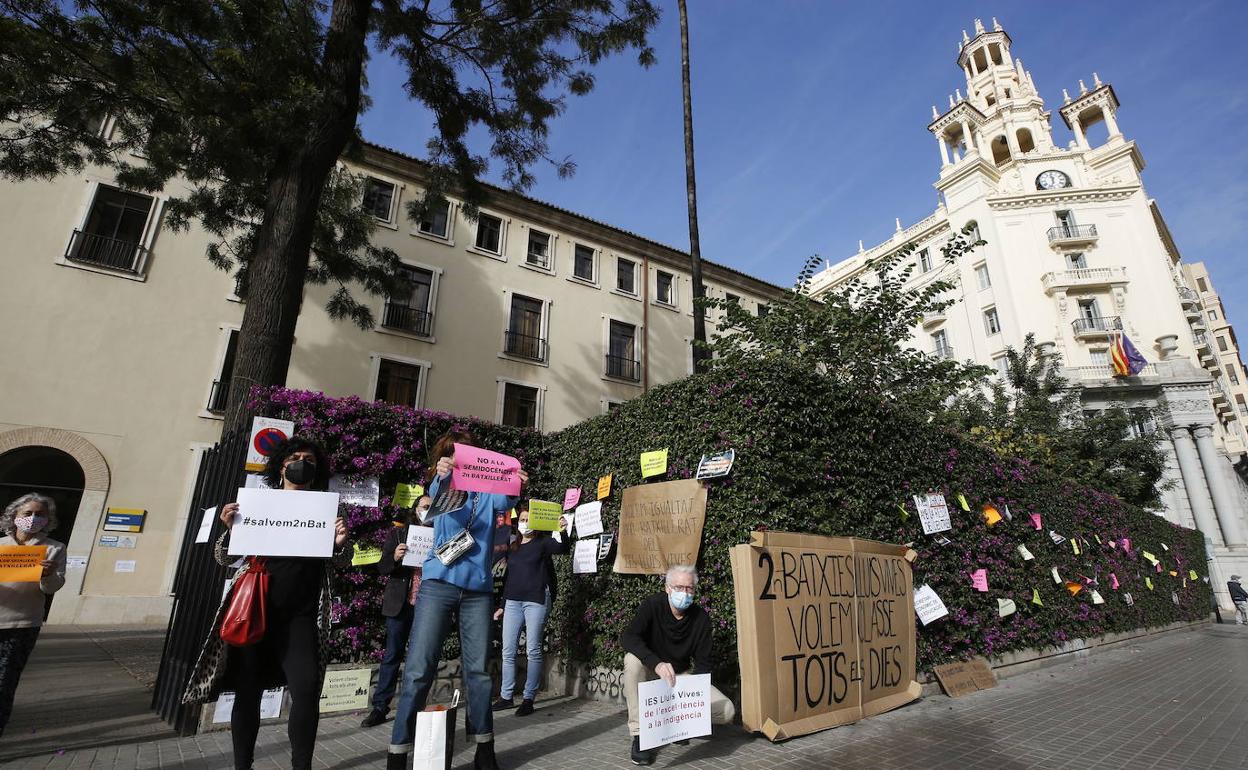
(1072, 233)
(623, 367)
(102, 251)
(525, 346)
(408, 319)
(1097, 324)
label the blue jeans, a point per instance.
(431, 624)
(398, 629)
(533, 617)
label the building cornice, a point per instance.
(963, 110)
(1069, 195)
(1098, 96)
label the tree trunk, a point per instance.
(700, 357)
(279, 264)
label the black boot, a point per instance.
(526, 708)
(398, 761)
(374, 718)
(640, 757)
(484, 760)
(502, 704)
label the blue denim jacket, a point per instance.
(473, 570)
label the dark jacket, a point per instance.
(1238, 594)
(531, 571)
(399, 575)
(656, 636)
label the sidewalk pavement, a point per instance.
(1178, 700)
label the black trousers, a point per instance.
(15, 647)
(289, 644)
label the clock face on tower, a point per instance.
(1052, 180)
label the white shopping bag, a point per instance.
(435, 737)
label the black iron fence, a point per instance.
(113, 253)
(623, 367)
(408, 319)
(525, 346)
(197, 586)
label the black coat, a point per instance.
(399, 581)
(1238, 594)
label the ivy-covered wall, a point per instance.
(811, 457)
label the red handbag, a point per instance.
(245, 617)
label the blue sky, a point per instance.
(810, 121)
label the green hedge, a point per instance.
(812, 457)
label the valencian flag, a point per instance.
(1126, 359)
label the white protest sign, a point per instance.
(585, 558)
(927, 605)
(419, 543)
(205, 525)
(364, 492)
(674, 713)
(277, 522)
(256, 481)
(266, 435)
(933, 512)
(589, 519)
(270, 705)
(1023, 552)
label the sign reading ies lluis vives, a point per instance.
(825, 631)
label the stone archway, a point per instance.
(96, 480)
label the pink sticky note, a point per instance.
(1158, 566)
(979, 579)
(571, 498)
(480, 470)
(1126, 544)
(1035, 520)
(1113, 544)
(1113, 581)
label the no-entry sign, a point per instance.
(266, 435)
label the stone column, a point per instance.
(1079, 137)
(1223, 501)
(944, 150)
(1111, 122)
(1194, 483)
(966, 137)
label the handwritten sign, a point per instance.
(653, 463)
(961, 679)
(674, 713)
(419, 543)
(660, 526)
(270, 705)
(991, 514)
(345, 689)
(979, 579)
(1035, 522)
(1023, 552)
(717, 465)
(276, 522)
(205, 525)
(1113, 581)
(544, 516)
(21, 563)
(363, 492)
(571, 498)
(589, 519)
(406, 495)
(825, 631)
(933, 512)
(585, 557)
(480, 470)
(928, 606)
(1006, 607)
(604, 487)
(363, 555)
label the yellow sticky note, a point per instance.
(653, 463)
(1098, 538)
(1035, 597)
(604, 487)
(1191, 573)
(1074, 587)
(1148, 581)
(513, 514)
(1074, 543)
(904, 513)
(962, 501)
(1174, 573)
(406, 495)
(364, 556)
(991, 514)
(1149, 556)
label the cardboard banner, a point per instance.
(825, 631)
(966, 677)
(480, 470)
(544, 516)
(266, 435)
(277, 522)
(660, 526)
(674, 713)
(21, 563)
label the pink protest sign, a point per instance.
(1126, 544)
(480, 470)
(979, 579)
(1035, 520)
(1113, 581)
(571, 498)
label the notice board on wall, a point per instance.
(825, 631)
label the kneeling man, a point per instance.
(669, 635)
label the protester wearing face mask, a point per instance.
(669, 635)
(397, 605)
(26, 521)
(528, 593)
(459, 585)
(294, 651)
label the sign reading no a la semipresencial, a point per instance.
(278, 522)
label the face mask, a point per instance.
(680, 600)
(301, 472)
(422, 514)
(524, 528)
(31, 523)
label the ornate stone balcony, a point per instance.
(1084, 277)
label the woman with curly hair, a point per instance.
(26, 521)
(294, 651)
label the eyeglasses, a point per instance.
(686, 589)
